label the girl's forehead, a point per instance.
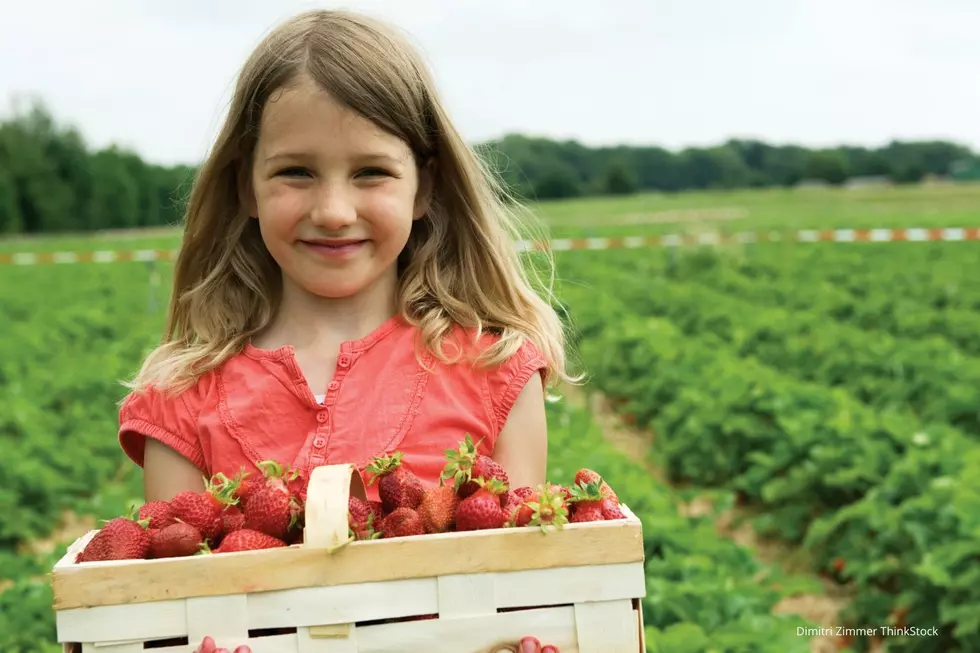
(304, 116)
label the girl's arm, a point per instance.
(167, 473)
(522, 446)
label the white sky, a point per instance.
(154, 75)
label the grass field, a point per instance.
(830, 391)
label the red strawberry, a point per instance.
(298, 484)
(465, 467)
(397, 486)
(521, 514)
(402, 522)
(509, 499)
(232, 520)
(270, 508)
(585, 476)
(120, 539)
(239, 486)
(482, 510)
(158, 514)
(524, 492)
(364, 520)
(204, 510)
(248, 540)
(611, 510)
(175, 541)
(438, 509)
(587, 498)
(548, 508)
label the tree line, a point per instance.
(51, 181)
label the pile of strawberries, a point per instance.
(239, 514)
(473, 494)
(244, 514)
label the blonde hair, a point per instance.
(460, 266)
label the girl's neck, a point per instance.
(305, 320)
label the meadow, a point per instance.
(825, 393)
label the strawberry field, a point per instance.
(829, 393)
(831, 388)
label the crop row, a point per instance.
(853, 483)
(930, 303)
(930, 376)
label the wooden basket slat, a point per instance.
(362, 602)
(111, 583)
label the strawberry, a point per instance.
(203, 510)
(482, 510)
(524, 492)
(175, 541)
(547, 508)
(158, 514)
(248, 540)
(363, 518)
(587, 498)
(397, 486)
(585, 476)
(270, 508)
(438, 509)
(611, 510)
(120, 539)
(297, 483)
(466, 467)
(521, 514)
(232, 520)
(402, 522)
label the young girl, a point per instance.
(348, 283)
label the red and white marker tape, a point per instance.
(950, 234)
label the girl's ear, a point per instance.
(423, 196)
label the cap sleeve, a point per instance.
(169, 419)
(507, 381)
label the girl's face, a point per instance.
(335, 196)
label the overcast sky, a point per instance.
(155, 75)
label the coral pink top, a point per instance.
(258, 406)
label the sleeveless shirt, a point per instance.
(258, 406)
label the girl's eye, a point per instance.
(375, 172)
(292, 172)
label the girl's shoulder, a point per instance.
(502, 368)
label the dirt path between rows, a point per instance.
(822, 609)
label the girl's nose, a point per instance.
(334, 209)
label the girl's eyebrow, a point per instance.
(360, 156)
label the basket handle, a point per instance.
(327, 496)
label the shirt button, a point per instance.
(321, 416)
(343, 361)
(319, 442)
(333, 385)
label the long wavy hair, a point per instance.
(460, 267)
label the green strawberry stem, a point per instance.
(382, 465)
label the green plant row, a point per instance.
(704, 593)
(801, 452)
(61, 363)
(930, 376)
(772, 275)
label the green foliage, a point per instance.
(856, 441)
(703, 591)
(51, 182)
